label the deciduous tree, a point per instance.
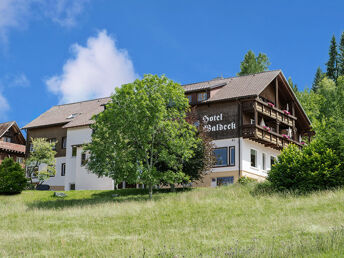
(42, 156)
(143, 125)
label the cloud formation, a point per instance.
(4, 107)
(93, 71)
(18, 13)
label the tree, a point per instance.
(42, 154)
(142, 126)
(319, 75)
(12, 177)
(254, 64)
(292, 85)
(332, 69)
(341, 56)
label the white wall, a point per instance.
(228, 143)
(246, 146)
(77, 174)
(57, 180)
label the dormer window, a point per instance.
(202, 96)
(72, 116)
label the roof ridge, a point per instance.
(231, 77)
(81, 101)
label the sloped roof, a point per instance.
(234, 87)
(59, 114)
(5, 126)
(12, 147)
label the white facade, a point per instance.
(76, 175)
(254, 166)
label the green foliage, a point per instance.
(244, 180)
(314, 168)
(144, 125)
(332, 69)
(42, 154)
(341, 56)
(263, 188)
(254, 64)
(292, 85)
(12, 177)
(319, 75)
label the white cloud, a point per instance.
(4, 107)
(63, 12)
(15, 80)
(94, 71)
(12, 14)
(18, 13)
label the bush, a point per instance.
(313, 168)
(12, 177)
(246, 180)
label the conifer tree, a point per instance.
(292, 85)
(254, 64)
(319, 75)
(332, 71)
(341, 56)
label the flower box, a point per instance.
(286, 112)
(271, 104)
(266, 128)
(285, 136)
(303, 143)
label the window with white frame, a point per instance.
(63, 169)
(254, 158)
(272, 161)
(263, 161)
(64, 142)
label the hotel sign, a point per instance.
(216, 123)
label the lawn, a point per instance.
(225, 221)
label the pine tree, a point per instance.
(254, 64)
(292, 85)
(341, 56)
(332, 71)
(319, 75)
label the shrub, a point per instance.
(12, 177)
(246, 180)
(265, 187)
(313, 168)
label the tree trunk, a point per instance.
(150, 191)
(173, 189)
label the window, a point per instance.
(190, 98)
(72, 186)
(53, 140)
(221, 156)
(19, 160)
(232, 156)
(74, 151)
(63, 169)
(7, 139)
(272, 161)
(31, 147)
(201, 96)
(72, 116)
(83, 159)
(264, 161)
(253, 158)
(64, 142)
(225, 180)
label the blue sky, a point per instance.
(59, 51)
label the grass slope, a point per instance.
(226, 221)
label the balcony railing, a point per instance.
(262, 135)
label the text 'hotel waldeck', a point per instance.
(250, 119)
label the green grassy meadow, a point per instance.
(210, 222)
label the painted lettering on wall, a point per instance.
(212, 123)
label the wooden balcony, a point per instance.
(270, 111)
(268, 138)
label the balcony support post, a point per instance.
(276, 93)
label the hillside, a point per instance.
(226, 221)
